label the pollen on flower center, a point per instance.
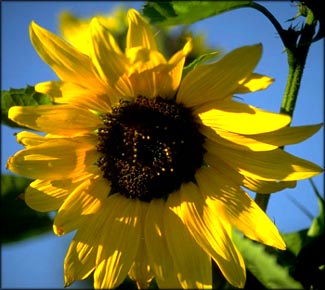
(149, 147)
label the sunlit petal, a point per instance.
(212, 82)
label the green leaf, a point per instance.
(263, 265)
(295, 241)
(187, 12)
(317, 225)
(20, 97)
(20, 221)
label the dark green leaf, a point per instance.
(264, 266)
(307, 245)
(187, 12)
(309, 268)
(20, 97)
(18, 220)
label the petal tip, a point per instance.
(132, 13)
(59, 231)
(33, 27)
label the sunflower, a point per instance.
(148, 167)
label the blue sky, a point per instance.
(21, 66)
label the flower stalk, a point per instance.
(297, 44)
(297, 53)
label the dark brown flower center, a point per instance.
(149, 147)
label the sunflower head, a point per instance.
(149, 167)
(149, 147)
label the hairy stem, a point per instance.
(297, 50)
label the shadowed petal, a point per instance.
(141, 271)
(232, 204)
(269, 165)
(48, 195)
(86, 199)
(159, 256)
(80, 260)
(119, 244)
(263, 141)
(186, 253)
(212, 234)
(110, 62)
(254, 184)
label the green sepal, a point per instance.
(18, 220)
(187, 12)
(20, 97)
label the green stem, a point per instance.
(297, 52)
(262, 200)
(297, 55)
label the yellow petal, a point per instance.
(254, 184)
(48, 195)
(169, 76)
(255, 82)
(85, 200)
(235, 140)
(243, 119)
(139, 32)
(159, 256)
(58, 119)
(80, 260)
(110, 62)
(186, 253)
(229, 201)
(212, 234)
(269, 165)
(288, 135)
(145, 66)
(74, 30)
(142, 59)
(119, 243)
(145, 84)
(260, 142)
(75, 94)
(68, 63)
(76, 268)
(265, 186)
(141, 271)
(55, 158)
(29, 139)
(213, 82)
